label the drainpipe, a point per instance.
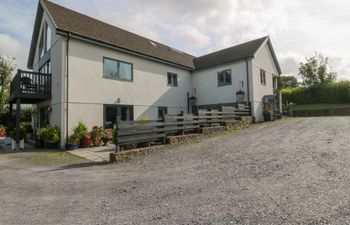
(67, 84)
(188, 102)
(247, 69)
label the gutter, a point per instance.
(247, 69)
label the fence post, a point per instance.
(117, 144)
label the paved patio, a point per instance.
(95, 154)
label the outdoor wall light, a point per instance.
(119, 100)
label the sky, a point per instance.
(297, 28)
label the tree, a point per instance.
(6, 68)
(315, 71)
(287, 82)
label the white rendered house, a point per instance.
(91, 71)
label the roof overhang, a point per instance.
(35, 35)
(106, 45)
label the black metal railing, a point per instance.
(26, 83)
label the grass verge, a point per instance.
(44, 158)
(320, 106)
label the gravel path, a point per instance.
(290, 172)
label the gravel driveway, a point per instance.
(295, 171)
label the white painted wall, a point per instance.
(89, 91)
(206, 84)
(56, 55)
(263, 60)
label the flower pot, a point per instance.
(96, 142)
(13, 144)
(87, 142)
(71, 146)
(52, 145)
(267, 116)
(8, 140)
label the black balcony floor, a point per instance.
(30, 87)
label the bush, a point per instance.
(81, 130)
(50, 133)
(74, 139)
(336, 92)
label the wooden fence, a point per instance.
(141, 132)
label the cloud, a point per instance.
(9, 46)
(190, 37)
(297, 28)
(12, 48)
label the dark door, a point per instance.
(44, 117)
(126, 113)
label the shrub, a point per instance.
(97, 133)
(50, 133)
(74, 139)
(22, 133)
(336, 92)
(81, 130)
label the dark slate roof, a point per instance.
(69, 21)
(232, 54)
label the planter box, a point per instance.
(13, 144)
(71, 147)
(8, 140)
(52, 145)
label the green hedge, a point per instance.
(337, 92)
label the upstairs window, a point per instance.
(115, 69)
(172, 79)
(224, 77)
(45, 40)
(47, 37)
(41, 45)
(262, 77)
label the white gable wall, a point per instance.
(206, 84)
(263, 60)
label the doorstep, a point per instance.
(95, 154)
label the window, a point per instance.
(46, 68)
(224, 77)
(41, 45)
(162, 111)
(116, 69)
(172, 79)
(262, 77)
(48, 37)
(45, 40)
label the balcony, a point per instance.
(30, 87)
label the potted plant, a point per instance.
(73, 142)
(82, 132)
(97, 134)
(87, 142)
(2, 131)
(50, 136)
(22, 135)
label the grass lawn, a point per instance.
(320, 106)
(44, 158)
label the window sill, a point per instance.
(117, 79)
(223, 85)
(169, 85)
